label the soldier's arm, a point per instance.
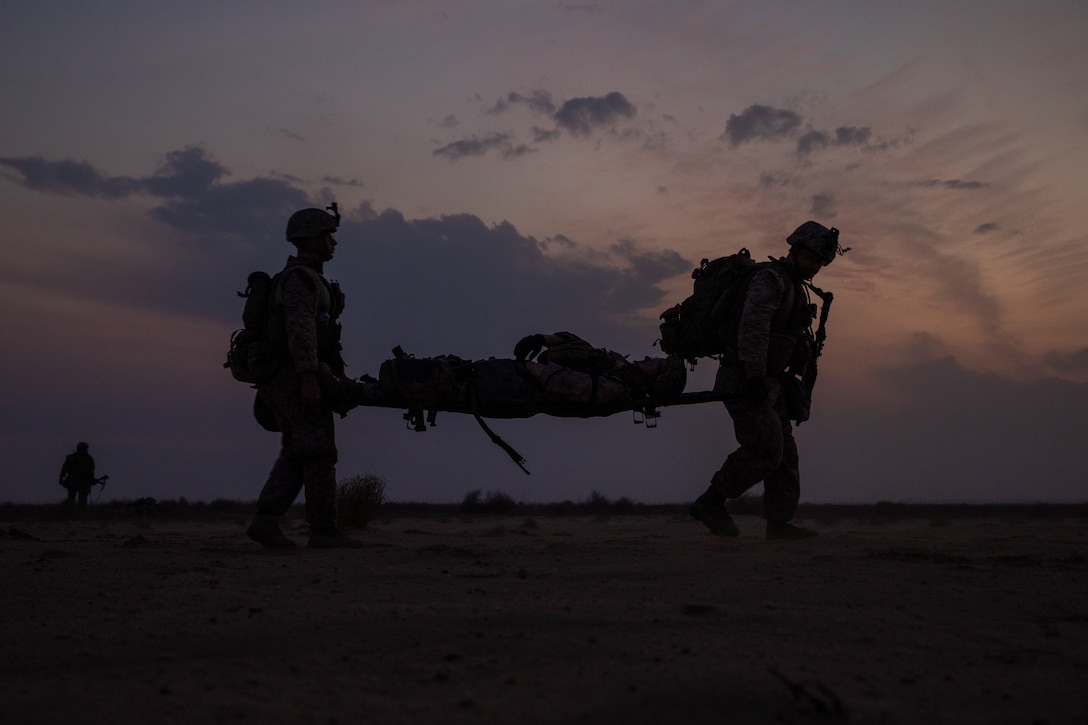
(754, 333)
(300, 300)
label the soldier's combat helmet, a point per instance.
(306, 223)
(818, 239)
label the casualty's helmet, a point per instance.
(818, 239)
(306, 223)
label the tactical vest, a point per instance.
(790, 324)
(330, 305)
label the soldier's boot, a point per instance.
(710, 510)
(785, 531)
(265, 530)
(330, 537)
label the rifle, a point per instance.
(101, 481)
(808, 377)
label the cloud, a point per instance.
(541, 135)
(251, 209)
(581, 116)
(758, 122)
(442, 284)
(852, 135)
(951, 184)
(186, 173)
(638, 286)
(538, 101)
(196, 200)
(986, 228)
(474, 146)
(69, 178)
(1068, 362)
(287, 133)
(765, 123)
(461, 285)
(513, 152)
(823, 206)
(578, 116)
(337, 181)
(812, 140)
(769, 181)
(843, 136)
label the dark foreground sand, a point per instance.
(633, 619)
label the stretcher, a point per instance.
(501, 388)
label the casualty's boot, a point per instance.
(265, 530)
(785, 531)
(330, 537)
(710, 509)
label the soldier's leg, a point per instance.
(782, 487)
(316, 446)
(782, 491)
(284, 481)
(759, 433)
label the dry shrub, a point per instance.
(494, 502)
(359, 499)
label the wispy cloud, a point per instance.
(760, 123)
(474, 146)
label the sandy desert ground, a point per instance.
(547, 619)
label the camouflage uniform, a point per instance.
(766, 380)
(305, 319)
(775, 318)
(77, 475)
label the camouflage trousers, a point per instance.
(767, 452)
(307, 458)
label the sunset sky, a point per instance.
(506, 168)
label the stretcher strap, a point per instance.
(514, 455)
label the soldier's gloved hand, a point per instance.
(754, 390)
(528, 347)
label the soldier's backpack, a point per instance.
(252, 357)
(705, 324)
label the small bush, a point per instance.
(471, 502)
(494, 502)
(359, 499)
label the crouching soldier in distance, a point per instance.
(303, 326)
(774, 331)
